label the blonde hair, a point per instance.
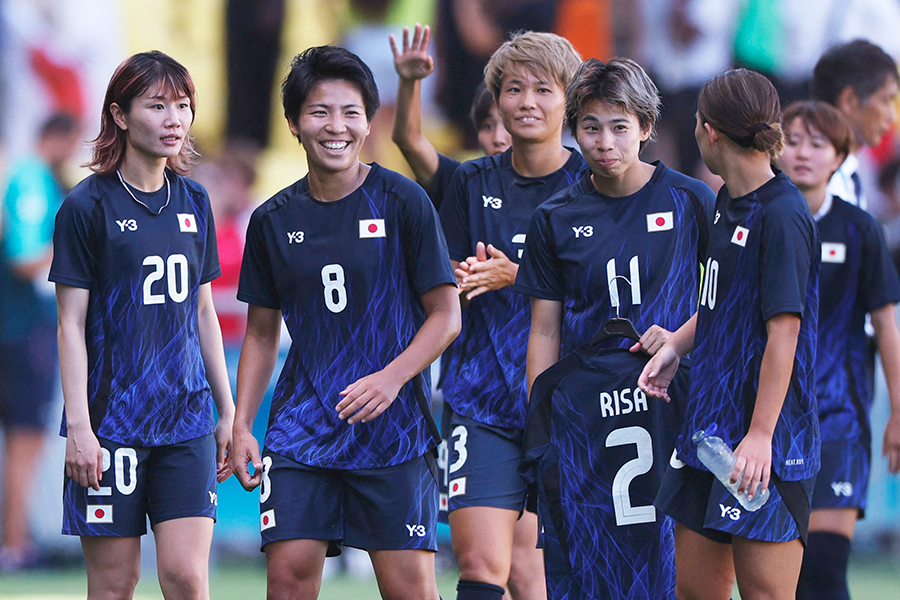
(544, 54)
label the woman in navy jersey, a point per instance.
(485, 216)
(752, 345)
(857, 277)
(139, 343)
(352, 259)
(624, 240)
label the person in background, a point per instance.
(28, 364)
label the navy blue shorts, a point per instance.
(843, 480)
(479, 465)
(392, 508)
(162, 482)
(697, 500)
(28, 380)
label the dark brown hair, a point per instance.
(743, 105)
(824, 118)
(133, 77)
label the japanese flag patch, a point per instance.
(267, 519)
(187, 223)
(99, 513)
(661, 221)
(458, 487)
(444, 503)
(833, 252)
(371, 228)
(740, 236)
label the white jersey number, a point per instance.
(125, 484)
(710, 284)
(626, 514)
(175, 271)
(634, 280)
(265, 487)
(335, 291)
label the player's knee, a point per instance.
(185, 580)
(823, 575)
(118, 587)
(478, 590)
(477, 564)
(285, 581)
(526, 574)
(710, 591)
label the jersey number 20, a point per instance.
(175, 271)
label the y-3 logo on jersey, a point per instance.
(295, 237)
(129, 224)
(732, 512)
(842, 488)
(417, 530)
(583, 231)
(494, 203)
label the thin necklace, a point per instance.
(130, 193)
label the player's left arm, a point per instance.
(213, 352)
(368, 397)
(754, 453)
(888, 335)
(494, 272)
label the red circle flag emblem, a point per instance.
(660, 221)
(373, 227)
(266, 520)
(99, 513)
(740, 235)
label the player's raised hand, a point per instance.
(246, 452)
(487, 274)
(413, 62)
(891, 445)
(652, 340)
(84, 457)
(754, 460)
(368, 397)
(658, 373)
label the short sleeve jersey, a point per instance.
(489, 202)
(763, 260)
(635, 256)
(146, 380)
(347, 276)
(442, 178)
(857, 276)
(29, 206)
(596, 447)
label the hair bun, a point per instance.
(759, 127)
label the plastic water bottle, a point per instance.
(719, 459)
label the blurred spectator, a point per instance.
(229, 181)
(253, 30)
(28, 355)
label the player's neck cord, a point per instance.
(130, 193)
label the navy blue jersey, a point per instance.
(443, 176)
(763, 260)
(597, 447)
(146, 380)
(857, 276)
(347, 277)
(637, 256)
(489, 202)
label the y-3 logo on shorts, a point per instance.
(842, 488)
(732, 512)
(494, 203)
(418, 530)
(129, 224)
(213, 498)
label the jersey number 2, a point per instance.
(626, 514)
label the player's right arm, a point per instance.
(659, 371)
(259, 354)
(884, 321)
(413, 64)
(544, 338)
(84, 458)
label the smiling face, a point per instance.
(809, 157)
(532, 107)
(610, 139)
(156, 125)
(332, 127)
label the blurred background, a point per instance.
(58, 55)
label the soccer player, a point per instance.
(857, 277)
(140, 348)
(752, 345)
(485, 216)
(432, 170)
(859, 79)
(352, 258)
(624, 240)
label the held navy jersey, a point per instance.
(347, 277)
(596, 447)
(146, 380)
(763, 260)
(857, 276)
(489, 202)
(636, 256)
